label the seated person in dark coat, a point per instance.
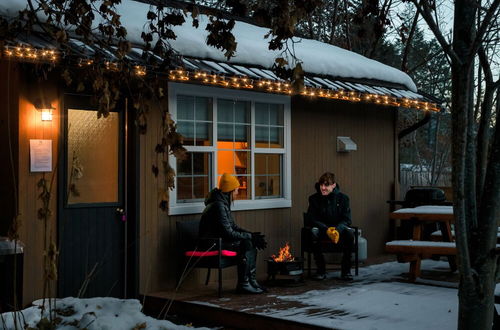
(217, 221)
(328, 207)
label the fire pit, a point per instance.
(286, 267)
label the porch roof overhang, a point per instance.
(35, 48)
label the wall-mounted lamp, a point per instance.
(45, 108)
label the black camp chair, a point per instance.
(210, 256)
(327, 246)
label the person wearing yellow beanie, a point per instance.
(217, 221)
(228, 183)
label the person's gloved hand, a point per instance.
(259, 241)
(333, 233)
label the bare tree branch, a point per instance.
(483, 28)
(424, 10)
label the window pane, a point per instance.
(276, 137)
(261, 186)
(184, 166)
(273, 164)
(241, 133)
(225, 161)
(184, 188)
(225, 132)
(203, 134)
(276, 114)
(186, 129)
(244, 192)
(185, 107)
(242, 162)
(193, 176)
(203, 106)
(260, 164)
(274, 186)
(201, 187)
(261, 114)
(242, 112)
(201, 163)
(92, 157)
(225, 111)
(262, 136)
(268, 169)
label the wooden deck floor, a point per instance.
(239, 311)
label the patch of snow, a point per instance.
(92, 314)
(252, 48)
(374, 301)
(427, 209)
(379, 306)
(421, 243)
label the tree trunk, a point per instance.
(476, 263)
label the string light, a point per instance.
(28, 53)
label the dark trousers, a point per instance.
(346, 243)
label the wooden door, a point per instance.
(91, 220)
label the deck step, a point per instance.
(219, 316)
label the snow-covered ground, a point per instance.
(91, 314)
(376, 301)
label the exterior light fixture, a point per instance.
(45, 108)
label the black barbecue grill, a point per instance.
(417, 196)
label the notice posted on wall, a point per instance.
(41, 155)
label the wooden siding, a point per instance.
(32, 229)
(366, 175)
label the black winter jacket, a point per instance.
(217, 221)
(332, 210)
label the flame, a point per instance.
(284, 254)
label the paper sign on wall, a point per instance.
(41, 155)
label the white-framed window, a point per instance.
(243, 133)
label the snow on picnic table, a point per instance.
(427, 209)
(92, 314)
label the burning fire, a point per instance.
(284, 254)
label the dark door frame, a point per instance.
(130, 196)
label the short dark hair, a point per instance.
(327, 178)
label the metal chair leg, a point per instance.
(220, 282)
(208, 276)
(356, 255)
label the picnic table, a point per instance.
(416, 249)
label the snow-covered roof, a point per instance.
(252, 49)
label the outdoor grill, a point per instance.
(417, 196)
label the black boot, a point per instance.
(252, 262)
(347, 241)
(244, 285)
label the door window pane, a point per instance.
(93, 157)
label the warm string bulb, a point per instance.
(30, 53)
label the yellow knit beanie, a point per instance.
(228, 183)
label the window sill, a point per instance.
(196, 208)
